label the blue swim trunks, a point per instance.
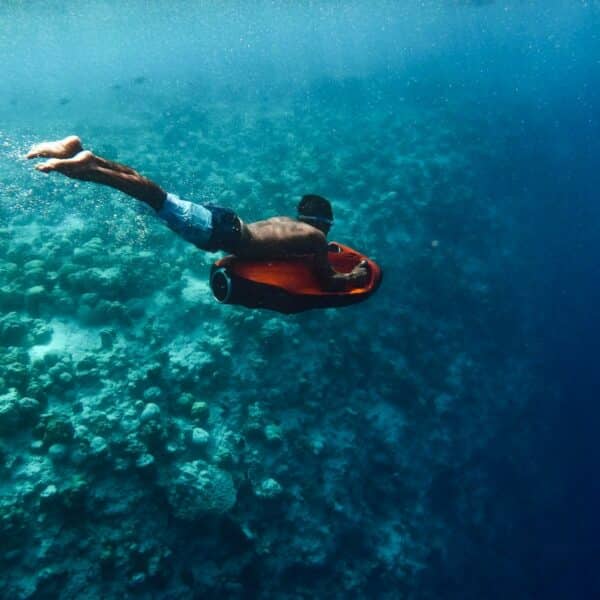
(206, 226)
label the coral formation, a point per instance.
(154, 440)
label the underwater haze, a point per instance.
(438, 440)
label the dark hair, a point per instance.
(317, 207)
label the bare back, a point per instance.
(279, 237)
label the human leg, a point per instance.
(68, 158)
(208, 227)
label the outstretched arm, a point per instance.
(68, 157)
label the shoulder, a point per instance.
(317, 239)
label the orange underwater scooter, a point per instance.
(289, 285)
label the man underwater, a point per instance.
(210, 227)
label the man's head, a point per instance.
(316, 211)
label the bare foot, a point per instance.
(61, 149)
(81, 162)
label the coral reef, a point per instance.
(154, 440)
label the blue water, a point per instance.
(437, 441)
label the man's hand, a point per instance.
(359, 276)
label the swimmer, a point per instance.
(209, 227)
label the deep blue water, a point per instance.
(496, 105)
